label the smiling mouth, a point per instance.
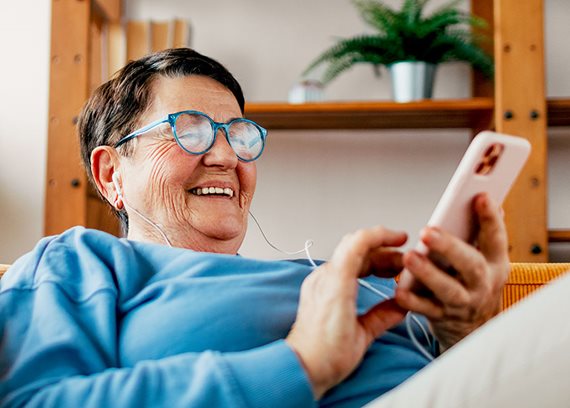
(213, 191)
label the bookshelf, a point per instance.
(436, 114)
(513, 103)
(444, 114)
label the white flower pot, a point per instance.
(412, 80)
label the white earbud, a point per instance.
(115, 178)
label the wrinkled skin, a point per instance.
(328, 336)
(156, 180)
(331, 338)
(459, 304)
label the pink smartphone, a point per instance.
(491, 164)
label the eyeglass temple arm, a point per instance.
(140, 131)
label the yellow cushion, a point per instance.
(523, 279)
(3, 268)
(527, 277)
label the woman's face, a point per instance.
(161, 180)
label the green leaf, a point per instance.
(447, 34)
(343, 64)
(365, 48)
(378, 16)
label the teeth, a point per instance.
(213, 190)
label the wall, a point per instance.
(24, 73)
(317, 184)
(558, 85)
(322, 184)
(268, 44)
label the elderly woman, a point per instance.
(170, 316)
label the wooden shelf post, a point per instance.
(520, 109)
(76, 67)
(66, 186)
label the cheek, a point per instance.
(247, 174)
(169, 172)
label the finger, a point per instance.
(464, 258)
(492, 238)
(444, 287)
(352, 253)
(385, 263)
(380, 318)
(430, 308)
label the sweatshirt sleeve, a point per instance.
(59, 348)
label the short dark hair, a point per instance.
(116, 106)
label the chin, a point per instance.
(224, 230)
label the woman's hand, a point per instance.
(457, 305)
(328, 335)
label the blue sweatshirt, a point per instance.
(90, 320)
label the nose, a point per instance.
(221, 154)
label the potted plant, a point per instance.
(410, 44)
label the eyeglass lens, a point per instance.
(195, 134)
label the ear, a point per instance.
(104, 163)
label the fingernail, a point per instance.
(431, 234)
(434, 234)
(413, 259)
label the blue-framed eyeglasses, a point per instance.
(195, 132)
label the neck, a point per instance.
(195, 241)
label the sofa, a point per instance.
(523, 279)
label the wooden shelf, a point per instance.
(459, 113)
(558, 112)
(558, 235)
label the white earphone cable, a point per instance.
(410, 317)
(308, 243)
(156, 226)
(129, 207)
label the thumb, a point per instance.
(380, 318)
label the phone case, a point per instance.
(491, 164)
